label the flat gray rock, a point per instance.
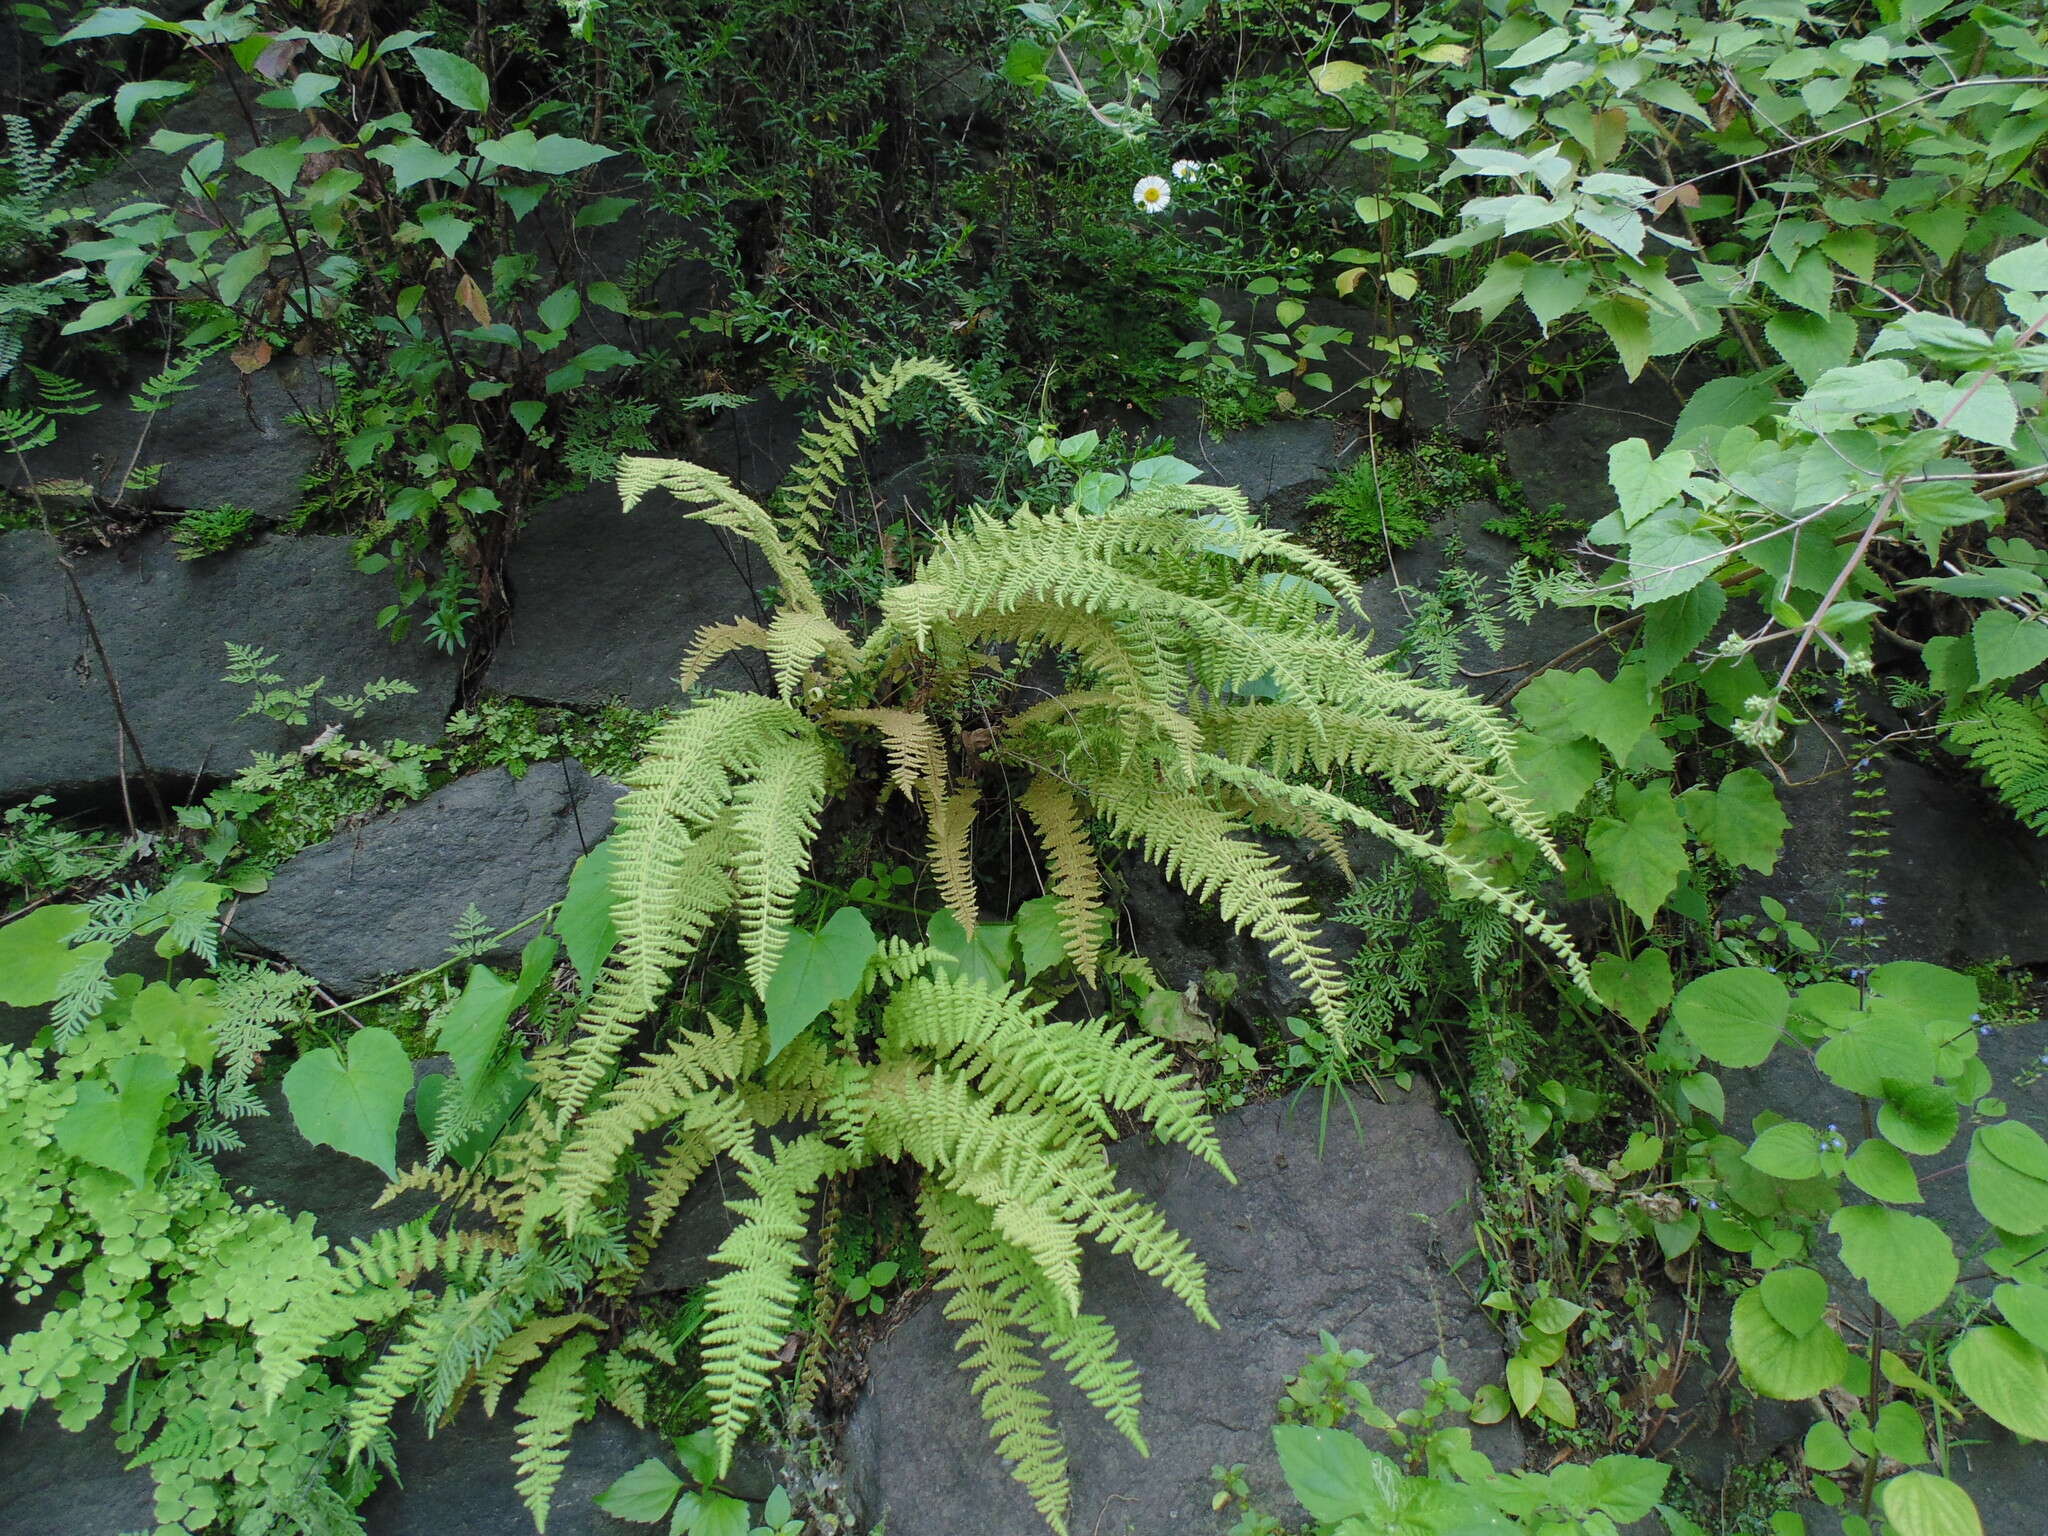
(1562, 460)
(605, 604)
(1963, 881)
(1277, 465)
(163, 622)
(56, 1483)
(1357, 1241)
(381, 900)
(227, 441)
(460, 1481)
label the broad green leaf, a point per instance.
(1566, 705)
(1812, 343)
(1553, 290)
(178, 1022)
(111, 21)
(1921, 1504)
(1934, 994)
(353, 1102)
(1853, 250)
(1733, 1016)
(1335, 1475)
(1879, 1047)
(1676, 626)
(1554, 775)
(2009, 1178)
(2024, 270)
(118, 1124)
(1807, 283)
(1917, 1118)
(642, 1495)
(277, 164)
(584, 920)
(1040, 943)
(1643, 482)
(35, 956)
(1626, 1488)
(132, 95)
(1500, 287)
(1741, 821)
(457, 81)
(2005, 1376)
(1720, 404)
(1671, 552)
(1779, 1362)
(553, 155)
(411, 162)
(1826, 1448)
(1640, 851)
(2007, 645)
(1627, 323)
(2026, 1308)
(1789, 1150)
(1978, 405)
(706, 1513)
(1881, 1171)
(986, 958)
(816, 971)
(1900, 1433)
(1906, 1262)
(446, 229)
(1337, 76)
(1636, 989)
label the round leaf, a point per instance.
(2005, 1376)
(1733, 1016)
(1905, 1261)
(2009, 1176)
(1881, 1171)
(1921, 1504)
(1779, 1363)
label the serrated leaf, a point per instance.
(1554, 775)
(2026, 1308)
(1741, 821)
(353, 1102)
(1812, 343)
(2008, 1166)
(1777, 1361)
(1637, 989)
(1734, 1017)
(454, 79)
(1906, 1262)
(1640, 851)
(1788, 1150)
(554, 155)
(2007, 645)
(1921, 1504)
(131, 96)
(643, 1495)
(36, 955)
(1335, 1475)
(1918, 1118)
(2005, 1376)
(1881, 1171)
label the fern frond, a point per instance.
(751, 1304)
(2006, 740)
(713, 499)
(675, 1173)
(820, 472)
(917, 752)
(950, 831)
(797, 641)
(714, 642)
(1200, 849)
(1076, 877)
(526, 1345)
(775, 817)
(554, 1403)
(980, 1292)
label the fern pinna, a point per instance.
(1210, 694)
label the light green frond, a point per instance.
(715, 642)
(556, 1400)
(751, 1304)
(1202, 850)
(851, 419)
(980, 1297)
(526, 1345)
(798, 640)
(711, 498)
(775, 817)
(1076, 877)
(1525, 915)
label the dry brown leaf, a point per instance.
(471, 298)
(251, 354)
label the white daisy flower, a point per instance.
(1152, 194)
(1187, 170)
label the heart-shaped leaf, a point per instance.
(353, 1103)
(117, 1124)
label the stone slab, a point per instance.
(605, 604)
(382, 899)
(163, 622)
(1357, 1241)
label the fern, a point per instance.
(554, 1403)
(2006, 740)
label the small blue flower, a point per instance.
(1772, 969)
(1877, 901)
(1855, 922)
(1976, 1018)
(1984, 1029)
(1837, 706)
(1862, 763)
(1858, 974)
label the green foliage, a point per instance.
(211, 531)
(1386, 500)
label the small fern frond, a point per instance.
(713, 499)
(526, 1345)
(820, 473)
(750, 1305)
(714, 642)
(950, 829)
(555, 1401)
(1076, 876)
(775, 817)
